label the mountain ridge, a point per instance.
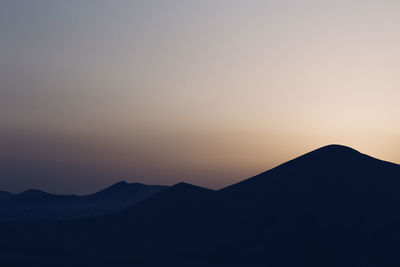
(321, 165)
(35, 204)
(333, 206)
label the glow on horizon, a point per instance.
(208, 92)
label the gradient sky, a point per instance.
(208, 92)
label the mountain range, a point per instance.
(333, 206)
(38, 205)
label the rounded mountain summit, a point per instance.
(332, 168)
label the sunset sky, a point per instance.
(208, 92)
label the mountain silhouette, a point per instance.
(34, 195)
(332, 168)
(333, 206)
(179, 199)
(38, 205)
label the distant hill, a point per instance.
(332, 207)
(39, 205)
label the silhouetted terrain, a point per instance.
(37, 205)
(331, 207)
(5, 195)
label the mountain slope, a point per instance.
(39, 205)
(332, 168)
(156, 221)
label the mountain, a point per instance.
(34, 195)
(119, 196)
(161, 219)
(332, 168)
(4, 195)
(38, 205)
(180, 199)
(332, 207)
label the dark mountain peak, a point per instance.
(186, 191)
(331, 154)
(120, 184)
(33, 193)
(181, 191)
(123, 182)
(334, 150)
(127, 191)
(182, 186)
(118, 188)
(333, 168)
(37, 194)
(336, 147)
(178, 196)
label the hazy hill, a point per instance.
(37, 205)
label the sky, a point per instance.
(208, 92)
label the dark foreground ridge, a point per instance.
(332, 207)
